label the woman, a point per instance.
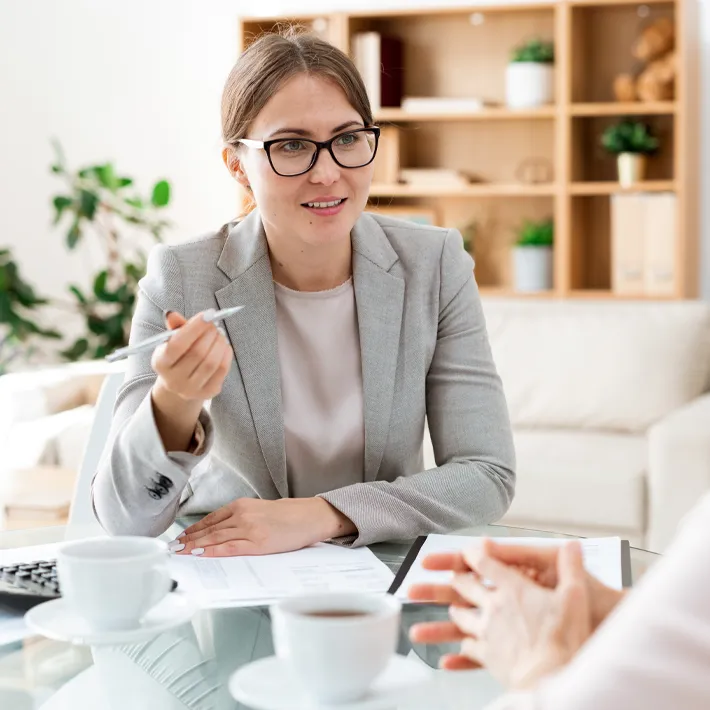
(531, 628)
(356, 328)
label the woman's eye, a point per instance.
(291, 146)
(348, 139)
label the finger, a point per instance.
(472, 649)
(570, 565)
(478, 559)
(233, 548)
(213, 386)
(210, 363)
(174, 320)
(471, 588)
(541, 559)
(212, 519)
(435, 632)
(229, 523)
(217, 537)
(436, 594)
(454, 662)
(191, 362)
(445, 561)
(468, 621)
(185, 336)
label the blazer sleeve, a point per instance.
(468, 420)
(138, 485)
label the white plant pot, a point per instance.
(631, 168)
(529, 84)
(533, 268)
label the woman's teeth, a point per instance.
(334, 203)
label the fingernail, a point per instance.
(197, 551)
(175, 547)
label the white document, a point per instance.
(252, 581)
(602, 557)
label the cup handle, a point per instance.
(162, 583)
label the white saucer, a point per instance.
(269, 685)
(55, 620)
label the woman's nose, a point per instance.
(326, 170)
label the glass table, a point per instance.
(188, 668)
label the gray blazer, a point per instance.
(425, 354)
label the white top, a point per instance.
(321, 388)
(653, 652)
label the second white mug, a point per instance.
(336, 644)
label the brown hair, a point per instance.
(267, 64)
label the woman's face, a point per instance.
(306, 107)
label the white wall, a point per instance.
(136, 81)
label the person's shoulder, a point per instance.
(204, 247)
(412, 240)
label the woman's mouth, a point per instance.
(325, 208)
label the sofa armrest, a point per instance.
(678, 468)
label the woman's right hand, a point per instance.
(194, 363)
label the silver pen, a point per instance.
(210, 316)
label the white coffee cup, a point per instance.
(336, 644)
(113, 582)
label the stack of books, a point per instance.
(643, 239)
(379, 60)
(435, 177)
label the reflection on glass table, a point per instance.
(188, 667)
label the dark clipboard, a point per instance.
(413, 553)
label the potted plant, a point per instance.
(631, 141)
(530, 76)
(97, 202)
(19, 332)
(533, 256)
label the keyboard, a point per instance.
(27, 584)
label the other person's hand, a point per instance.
(518, 629)
(250, 526)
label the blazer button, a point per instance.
(155, 494)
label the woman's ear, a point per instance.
(234, 165)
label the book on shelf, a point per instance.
(643, 237)
(387, 160)
(433, 176)
(436, 104)
(379, 59)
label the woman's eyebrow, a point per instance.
(305, 133)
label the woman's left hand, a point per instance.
(251, 526)
(517, 629)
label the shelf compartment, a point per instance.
(613, 27)
(591, 163)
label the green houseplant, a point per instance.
(631, 141)
(532, 255)
(19, 331)
(530, 76)
(98, 202)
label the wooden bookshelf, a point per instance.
(593, 41)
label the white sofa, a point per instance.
(610, 405)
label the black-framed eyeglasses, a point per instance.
(290, 157)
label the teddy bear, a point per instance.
(654, 79)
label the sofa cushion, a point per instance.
(598, 365)
(579, 479)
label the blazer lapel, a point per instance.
(379, 296)
(245, 259)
